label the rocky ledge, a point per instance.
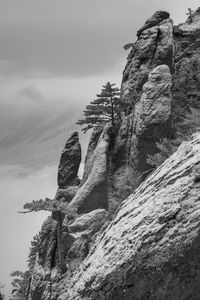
(151, 249)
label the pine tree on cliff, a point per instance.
(20, 283)
(58, 209)
(105, 109)
(190, 15)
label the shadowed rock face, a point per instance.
(158, 17)
(186, 77)
(151, 248)
(69, 162)
(40, 288)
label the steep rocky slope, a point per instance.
(151, 248)
(147, 247)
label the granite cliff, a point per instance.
(145, 246)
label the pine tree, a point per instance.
(20, 283)
(105, 109)
(190, 15)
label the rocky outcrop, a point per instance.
(94, 192)
(154, 106)
(154, 47)
(69, 162)
(85, 215)
(151, 248)
(82, 233)
(158, 17)
(138, 134)
(40, 288)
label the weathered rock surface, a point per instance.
(94, 192)
(69, 162)
(154, 106)
(154, 47)
(139, 132)
(90, 152)
(151, 250)
(89, 223)
(158, 17)
(82, 234)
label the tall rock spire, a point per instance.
(69, 162)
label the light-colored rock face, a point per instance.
(89, 223)
(90, 152)
(69, 162)
(154, 106)
(93, 194)
(151, 248)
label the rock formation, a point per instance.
(69, 162)
(144, 246)
(94, 192)
(151, 249)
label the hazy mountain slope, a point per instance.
(34, 137)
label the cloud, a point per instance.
(17, 230)
(71, 38)
(31, 94)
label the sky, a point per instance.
(58, 52)
(67, 49)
